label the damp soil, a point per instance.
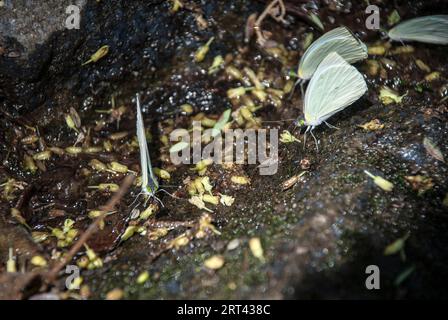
(318, 237)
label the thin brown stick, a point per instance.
(277, 15)
(110, 205)
(296, 10)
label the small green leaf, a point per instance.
(393, 18)
(129, 232)
(396, 246)
(223, 120)
(404, 275)
(389, 96)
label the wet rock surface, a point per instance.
(28, 24)
(318, 237)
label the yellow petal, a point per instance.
(215, 262)
(256, 248)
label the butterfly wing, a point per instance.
(334, 86)
(340, 40)
(429, 29)
(148, 178)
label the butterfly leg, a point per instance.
(304, 137)
(159, 201)
(314, 137)
(294, 88)
(294, 130)
(329, 125)
(172, 196)
(152, 195)
(135, 200)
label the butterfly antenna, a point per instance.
(277, 121)
(299, 81)
(167, 186)
(171, 195)
(135, 200)
(295, 128)
(159, 201)
(329, 125)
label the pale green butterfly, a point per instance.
(340, 40)
(150, 185)
(428, 29)
(334, 86)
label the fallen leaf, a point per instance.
(432, 149)
(420, 183)
(422, 66)
(432, 76)
(206, 183)
(197, 201)
(240, 180)
(389, 96)
(115, 294)
(393, 18)
(373, 125)
(396, 246)
(215, 262)
(256, 248)
(205, 225)
(179, 242)
(129, 232)
(380, 182)
(288, 137)
(210, 199)
(378, 50)
(102, 52)
(227, 200)
(38, 261)
(292, 181)
(143, 277)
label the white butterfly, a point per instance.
(429, 29)
(150, 185)
(340, 40)
(334, 86)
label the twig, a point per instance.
(276, 9)
(296, 10)
(110, 205)
(169, 224)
